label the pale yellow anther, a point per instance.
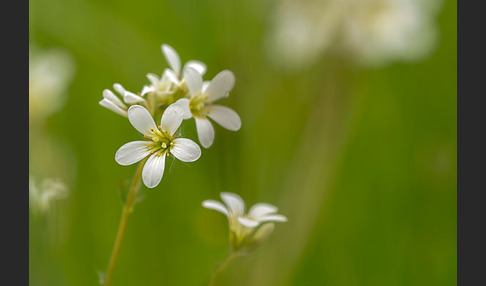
(164, 145)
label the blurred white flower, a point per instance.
(50, 72)
(379, 31)
(301, 31)
(43, 195)
(246, 229)
(162, 142)
(200, 104)
(370, 32)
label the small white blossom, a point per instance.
(162, 142)
(200, 104)
(245, 228)
(115, 104)
(171, 80)
(174, 62)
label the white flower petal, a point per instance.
(154, 80)
(172, 58)
(215, 205)
(205, 131)
(170, 76)
(141, 119)
(132, 152)
(263, 232)
(146, 89)
(184, 103)
(272, 217)
(193, 80)
(119, 88)
(132, 98)
(225, 116)
(185, 150)
(197, 65)
(260, 209)
(108, 94)
(153, 170)
(248, 222)
(205, 85)
(172, 118)
(235, 203)
(113, 107)
(221, 85)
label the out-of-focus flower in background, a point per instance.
(246, 230)
(371, 33)
(52, 163)
(50, 72)
(45, 193)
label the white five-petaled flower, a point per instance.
(162, 142)
(200, 104)
(245, 228)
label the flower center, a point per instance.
(199, 105)
(161, 142)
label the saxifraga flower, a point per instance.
(162, 141)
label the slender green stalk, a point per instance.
(127, 210)
(222, 267)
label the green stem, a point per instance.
(127, 210)
(222, 267)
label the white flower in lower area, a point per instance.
(246, 229)
(162, 142)
(200, 104)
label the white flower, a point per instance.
(174, 62)
(43, 195)
(113, 103)
(171, 79)
(245, 228)
(162, 142)
(50, 73)
(377, 31)
(200, 104)
(372, 33)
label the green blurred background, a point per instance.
(361, 160)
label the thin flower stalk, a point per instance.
(127, 210)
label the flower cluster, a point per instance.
(372, 33)
(246, 229)
(178, 94)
